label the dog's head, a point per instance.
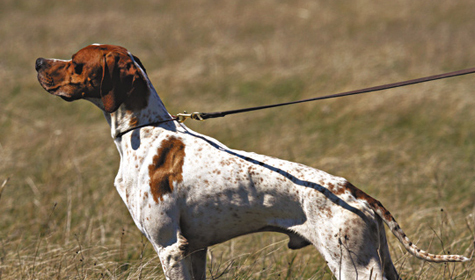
(105, 74)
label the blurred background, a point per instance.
(412, 148)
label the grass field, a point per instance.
(412, 148)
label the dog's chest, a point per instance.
(137, 167)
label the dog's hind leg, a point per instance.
(388, 267)
(353, 243)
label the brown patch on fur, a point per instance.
(139, 100)
(134, 121)
(166, 168)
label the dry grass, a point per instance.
(412, 148)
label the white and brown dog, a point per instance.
(186, 191)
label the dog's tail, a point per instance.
(398, 232)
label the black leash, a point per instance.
(203, 116)
(120, 134)
(181, 117)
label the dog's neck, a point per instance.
(125, 120)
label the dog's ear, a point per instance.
(120, 79)
(139, 63)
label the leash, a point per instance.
(181, 117)
(120, 134)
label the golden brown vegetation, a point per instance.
(412, 148)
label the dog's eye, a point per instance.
(78, 68)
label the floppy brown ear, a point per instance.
(120, 79)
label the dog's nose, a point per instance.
(40, 62)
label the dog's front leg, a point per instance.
(198, 262)
(175, 261)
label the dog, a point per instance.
(186, 191)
